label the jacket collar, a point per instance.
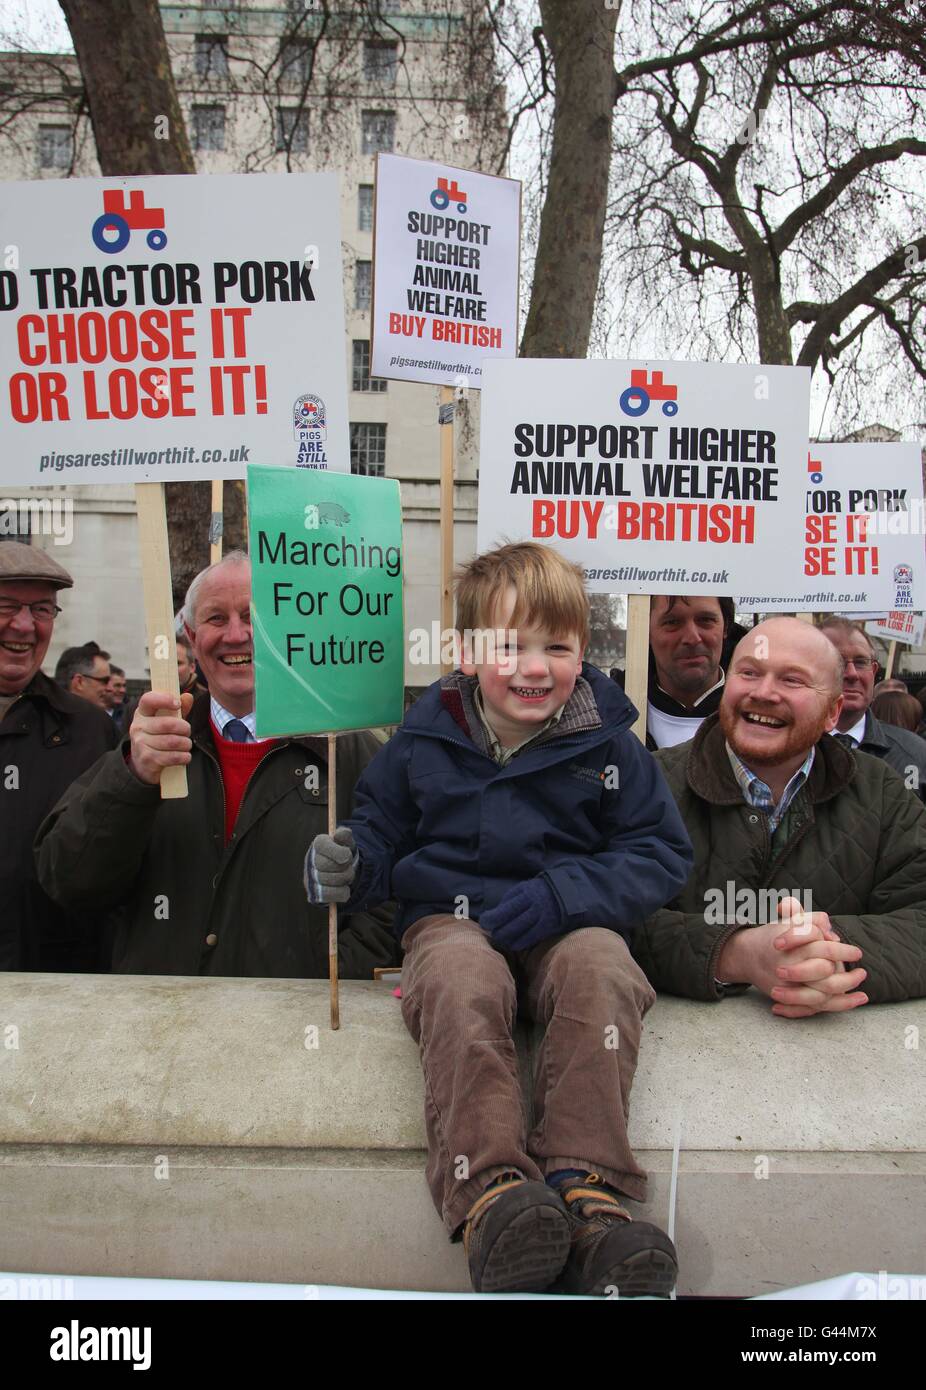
(54, 705)
(710, 776)
(597, 706)
(875, 736)
(458, 697)
(44, 688)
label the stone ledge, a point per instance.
(120, 1059)
(306, 1165)
(365, 1220)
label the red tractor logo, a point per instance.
(814, 467)
(446, 190)
(643, 389)
(112, 229)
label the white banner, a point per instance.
(655, 477)
(863, 544)
(446, 263)
(168, 329)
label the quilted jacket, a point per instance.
(437, 819)
(854, 837)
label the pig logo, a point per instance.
(310, 429)
(903, 582)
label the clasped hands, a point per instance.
(799, 962)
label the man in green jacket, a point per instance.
(211, 884)
(810, 860)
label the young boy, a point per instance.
(525, 832)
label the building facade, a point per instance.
(276, 88)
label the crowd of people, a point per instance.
(513, 845)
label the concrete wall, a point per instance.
(182, 1128)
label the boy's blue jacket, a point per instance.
(441, 827)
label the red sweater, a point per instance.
(237, 761)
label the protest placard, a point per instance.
(169, 329)
(863, 547)
(326, 564)
(446, 263)
(655, 477)
(901, 626)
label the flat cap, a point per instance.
(18, 561)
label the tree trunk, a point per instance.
(123, 57)
(772, 324)
(139, 129)
(580, 36)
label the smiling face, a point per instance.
(781, 695)
(222, 638)
(686, 637)
(23, 639)
(115, 691)
(530, 679)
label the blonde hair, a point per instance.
(549, 591)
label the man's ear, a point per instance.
(832, 719)
(190, 635)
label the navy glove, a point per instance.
(526, 915)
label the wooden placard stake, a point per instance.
(636, 660)
(332, 907)
(891, 658)
(159, 611)
(216, 521)
(445, 417)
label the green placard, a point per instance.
(329, 632)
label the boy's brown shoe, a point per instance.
(516, 1237)
(610, 1252)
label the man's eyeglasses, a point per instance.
(85, 677)
(43, 611)
(859, 663)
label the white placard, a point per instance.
(655, 477)
(900, 627)
(446, 263)
(863, 531)
(169, 329)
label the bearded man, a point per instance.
(809, 877)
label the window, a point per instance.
(210, 53)
(368, 450)
(378, 132)
(363, 285)
(292, 129)
(380, 61)
(56, 146)
(360, 377)
(208, 127)
(365, 208)
(295, 55)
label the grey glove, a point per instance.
(330, 867)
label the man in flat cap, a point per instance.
(47, 738)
